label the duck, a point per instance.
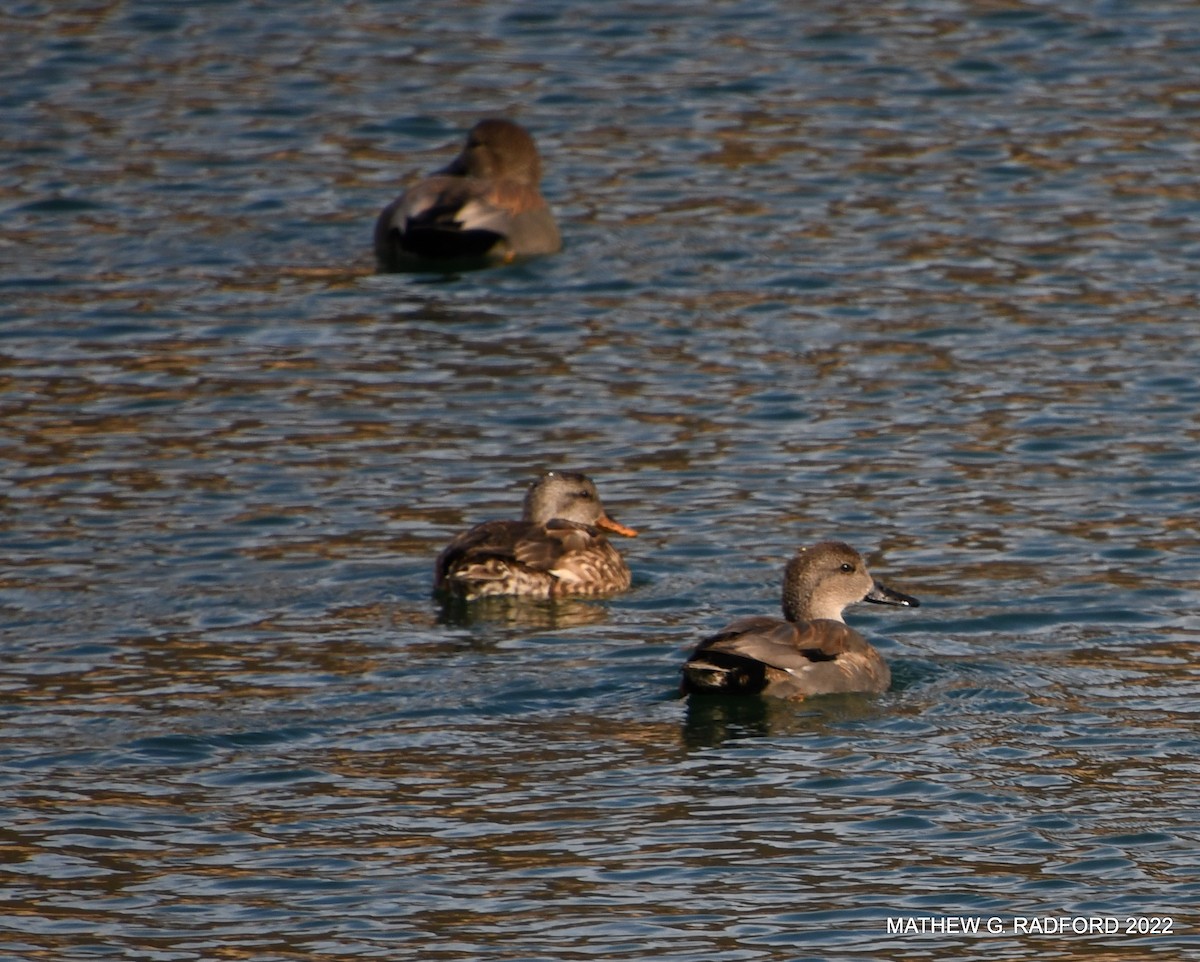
(486, 205)
(557, 549)
(811, 650)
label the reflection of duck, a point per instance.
(811, 651)
(485, 205)
(555, 549)
(523, 615)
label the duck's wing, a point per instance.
(489, 540)
(493, 549)
(440, 217)
(786, 659)
(544, 546)
(465, 217)
(784, 644)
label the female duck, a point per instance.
(811, 651)
(485, 205)
(556, 549)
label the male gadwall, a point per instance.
(485, 206)
(555, 549)
(811, 651)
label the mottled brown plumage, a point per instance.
(557, 548)
(811, 650)
(485, 205)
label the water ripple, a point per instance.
(918, 277)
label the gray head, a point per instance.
(569, 496)
(498, 148)
(822, 580)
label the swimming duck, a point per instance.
(811, 651)
(485, 205)
(556, 549)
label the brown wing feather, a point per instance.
(544, 559)
(545, 545)
(487, 540)
(783, 644)
(787, 660)
(437, 200)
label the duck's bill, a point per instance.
(604, 521)
(883, 595)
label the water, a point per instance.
(919, 277)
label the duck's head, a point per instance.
(498, 148)
(822, 580)
(569, 496)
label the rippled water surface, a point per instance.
(921, 276)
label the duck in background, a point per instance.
(811, 650)
(557, 548)
(486, 206)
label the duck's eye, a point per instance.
(847, 567)
(585, 495)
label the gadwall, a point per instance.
(556, 549)
(811, 651)
(485, 206)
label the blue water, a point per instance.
(921, 277)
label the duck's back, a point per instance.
(774, 657)
(531, 560)
(446, 217)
